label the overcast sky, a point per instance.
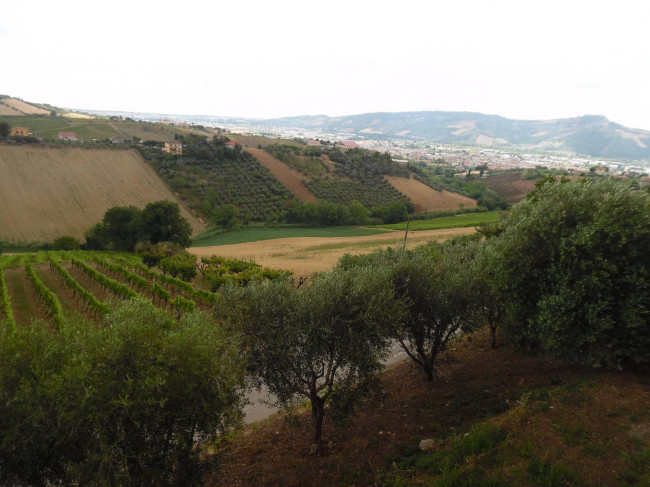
(520, 59)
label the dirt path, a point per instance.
(69, 302)
(88, 283)
(306, 255)
(291, 178)
(24, 301)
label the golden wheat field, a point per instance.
(306, 255)
(49, 192)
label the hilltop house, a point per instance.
(232, 144)
(20, 131)
(175, 148)
(70, 136)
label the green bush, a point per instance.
(572, 264)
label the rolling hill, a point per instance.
(49, 192)
(592, 135)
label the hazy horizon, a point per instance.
(520, 60)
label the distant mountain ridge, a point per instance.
(592, 135)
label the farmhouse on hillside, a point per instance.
(20, 131)
(175, 148)
(232, 144)
(71, 136)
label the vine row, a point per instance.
(77, 289)
(6, 300)
(55, 310)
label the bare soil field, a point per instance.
(306, 255)
(48, 192)
(428, 199)
(8, 110)
(515, 192)
(77, 115)
(26, 108)
(291, 178)
(510, 185)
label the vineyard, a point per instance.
(54, 286)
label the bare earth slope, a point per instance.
(48, 192)
(306, 255)
(427, 199)
(291, 178)
(26, 108)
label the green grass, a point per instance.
(456, 221)
(38, 124)
(257, 233)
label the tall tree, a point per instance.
(161, 221)
(5, 129)
(435, 289)
(321, 342)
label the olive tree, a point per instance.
(122, 404)
(318, 342)
(572, 263)
(434, 286)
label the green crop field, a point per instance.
(456, 221)
(257, 233)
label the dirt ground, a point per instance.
(428, 199)
(306, 255)
(26, 108)
(291, 178)
(49, 192)
(474, 383)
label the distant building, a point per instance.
(71, 136)
(175, 148)
(117, 140)
(232, 144)
(20, 131)
(314, 143)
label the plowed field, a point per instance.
(427, 199)
(48, 192)
(291, 178)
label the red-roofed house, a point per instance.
(232, 144)
(71, 136)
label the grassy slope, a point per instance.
(495, 418)
(456, 221)
(257, 233)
